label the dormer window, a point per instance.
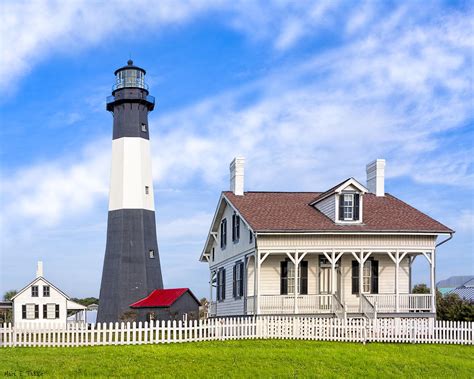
(349, 207)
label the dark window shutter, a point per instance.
(341, 207)
(284, 278)
(237, 227)
(222, 234)
(375, 277)
(241, 288)
(218, 289)
(23, 311)
(234, 281)
(233, 228)
(355, 277)
(45, 311)
(37, 311)
(225, 232)
(57, 310)
(356, 206)
(223, 284)
(304, 278)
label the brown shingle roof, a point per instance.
(291, 212)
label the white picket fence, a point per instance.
(412, 330)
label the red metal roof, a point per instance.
(292, 212)
(162, 298)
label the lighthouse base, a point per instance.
(132, 264)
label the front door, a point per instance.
(325, 285)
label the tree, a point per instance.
(451, 307)
(203, 308)
(7, 296)
(86, 301)
(420, 288)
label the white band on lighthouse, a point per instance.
(131, 181)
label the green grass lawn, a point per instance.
(249, 359)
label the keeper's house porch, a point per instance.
(335, 284)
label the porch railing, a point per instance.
(407, 302)
(367, 307)
(338, 308)
(285, 304)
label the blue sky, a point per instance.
(307, 92)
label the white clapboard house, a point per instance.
(41, 302)
(353, 246)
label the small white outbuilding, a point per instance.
(41, 302)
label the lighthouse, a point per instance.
(131, 268)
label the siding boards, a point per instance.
(229, 306)
(327, 206)
(292, 242)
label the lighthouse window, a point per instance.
(147, 190)
(143, 127)
(152, 253)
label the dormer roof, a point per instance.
(338, 188)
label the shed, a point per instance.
(167, 304)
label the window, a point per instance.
(287, 278)
(349, 206)
(366, 275)
(49, 311)
(147, 190)
(370, 277)
(212, 254)
(30, 311)
(223, 233)
(221, 285)
(143, 127)
(34, 291)
(250, 236)
(46, 291)
(238, 280)
(151, 253)
(235, 228)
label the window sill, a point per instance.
(349, 222)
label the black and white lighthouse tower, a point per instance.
(132, 264)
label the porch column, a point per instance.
(257, 284)
(361, 275)
(210, 287)
(433, 285)
(296, 265)
(333, 259)
(397, 266)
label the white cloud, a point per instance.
(35, 30)
(402, 88)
